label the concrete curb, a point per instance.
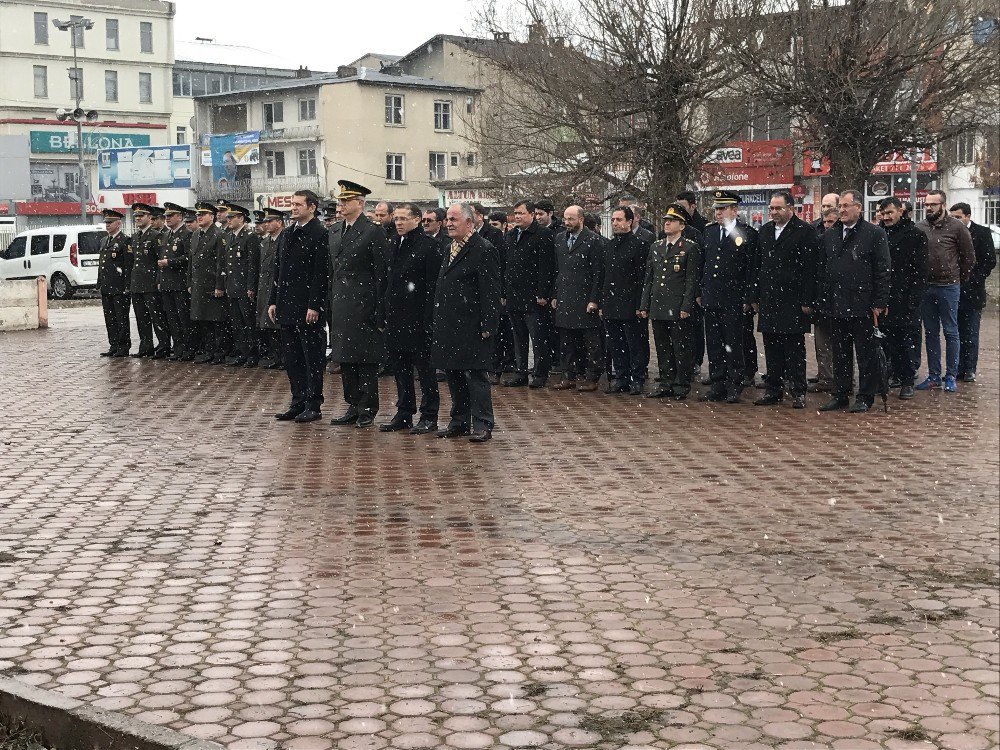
(69, 724)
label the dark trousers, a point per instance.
(898, 346)
(785, 355)
(503, 352)
(177, 310)
(116, 321)
(697, 336)
(629, 349)
(471, 399)
(581, 343)
(850, 336)
(360, 386)
(305, 353)
(241, 315)
(674, 340)
(403, 365)
(210, 337)
(269, 344)
(149, 318)
(916, 333)
(824, 349)
(724, 337)
(534, 326)
(969, 319)
(749, 346)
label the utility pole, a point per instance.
(74, 26)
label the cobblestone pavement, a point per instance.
(608, 572)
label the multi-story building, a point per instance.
(122, 73)
(397, 134)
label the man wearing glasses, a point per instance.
(949, 247)
(853, 290)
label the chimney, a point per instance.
(537, 33)
(346, 71)
(390, 69)
(501, 36)
(303, 72)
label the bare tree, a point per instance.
(608, 92)
(864, 78)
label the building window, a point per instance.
(274, 113)
(145, 88)
(146, 37)
(965, 148)
(393, 109)
(442, 115)
(76, 83)
(111, 33)
(439, 169)
(394, 168)
(41, 74)
(470, 105)
(181, 135)
(307, 162)
(182, 83)
(197, 84)
(455, 158)
(470, 160)
(307, 109)
(41, 28)
(274, 163)
(991, 211)
(111, 85)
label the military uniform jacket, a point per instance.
(671, 282)
(114, 271)
(204, 256)
(625, 258)
(785, 279)
(578, 279)
(358, 276)
(236, 262)
(146, 249)
(414, 263)
(727, 265)
(530, 269)
(301, 274)
(262, 278)
(174, 249)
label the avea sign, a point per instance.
(64, 142)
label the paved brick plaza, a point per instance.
(607, 572)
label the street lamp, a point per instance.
(73, 26)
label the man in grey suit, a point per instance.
(359, 274)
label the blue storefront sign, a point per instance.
(64, 141)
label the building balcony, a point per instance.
(285, 135)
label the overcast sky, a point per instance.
(323, 35)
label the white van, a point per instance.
(66, 256)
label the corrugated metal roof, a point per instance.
(364, 76)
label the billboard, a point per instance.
(750, 164)
(230, 151)
(149, 167)
(64, 141)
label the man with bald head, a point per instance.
(576, 301)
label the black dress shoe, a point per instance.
(141, 355)
(453, 432)
(250, 364)
(518, 381)
(309, 415)
(265, 364)
(235, 361)
(680, 396)
(835, 404)
(636, 389)
(161, 353)
(221, 360)
(189, 357)
(769, 399)
(616, 386)
(798, 402)
(537, 382)
(288, 416)
(424, 427)
(969, 377)
(274, 366)
(706, 380)
(202, 359)
(481, 436)
(348, 417)
(860, 406)
(366, 420)
(660, 392)
(733, 398)
(493, 378)
(175, 357)
(108, 353)
(907, 392)
(713, 396)
(395, 424)
(119, 353)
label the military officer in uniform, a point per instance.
(114, 274)
(149, 317)
(668, 300)
(233, 281)
(206, 309)
(358, 276)
(258, 223)
(728, 260)
(173, 281)
(269, 338)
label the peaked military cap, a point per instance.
(190, 214)
(233, 208)
(221, 204)
(173, 208)
(157, 212)
(273, 213)
(349, 190)
(205, 207)
(723, 198)
(678, 212)
(258, 216)
(110, 214)
(138, 209)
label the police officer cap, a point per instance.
(234, 209)
(205, 207)
(723, 198)
(172, 208)
(190, 214)
(157, 212)
(138, 209)
(677, 212)
(273, 213)
(110, 214)
(258, 216)
(349, 190)
(221, 205)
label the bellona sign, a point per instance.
(64, 141)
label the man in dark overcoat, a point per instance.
(782, 294)
(358, 275)
(207, 310)
(576, 300)
(296, 302)
(466, 313)
(173, 281)
(233, 280)
(503, 349)
(114, 273)
(149, 317)
(414, 263)
(269, 338)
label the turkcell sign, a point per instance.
(64, 142)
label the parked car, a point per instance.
(66, 256)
